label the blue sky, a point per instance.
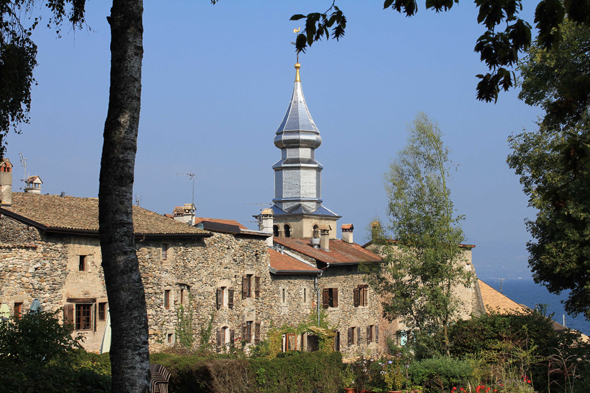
(217, 80)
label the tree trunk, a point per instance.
(129, 349)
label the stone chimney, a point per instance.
(265, 223)
(5, 182)
(347, 233)
(325, 237)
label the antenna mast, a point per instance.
(23, 162)
(191, 175)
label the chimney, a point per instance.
(265, 222)
(5, 182)
(325, 237)
(347, 233)
(33, 184)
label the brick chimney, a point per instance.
(347, 233)
(325, 237)
(5, 182)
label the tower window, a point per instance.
(316, 232)
(275, 230)
(287, 231)
(82, 263)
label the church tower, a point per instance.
(297, 208)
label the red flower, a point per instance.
(528, 381)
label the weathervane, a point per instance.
(296, 31)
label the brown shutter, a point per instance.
(326, 298)
(244, 287)
(356, 297)
(219, 341)
(232, 334)
(230, 298)
(68, 314)
(365, 295)
(335, 297)
(94, 316)
(376, 333)
(219, 298)
(350, 336)
(257, 334)
(257, 287)
(369, 338)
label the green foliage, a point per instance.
(441, 374)
(499, 46)
(36, 339)
(425, 261)
(185, 332)
(38, 354)
(559, 251)
(303, 371)
(18, 55)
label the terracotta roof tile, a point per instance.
(72, 213)
(340, 251)
(284, 262)
(496, 301)
(219, 221)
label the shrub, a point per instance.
(441, 374)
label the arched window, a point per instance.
(316, 232)
(287, 231)
(275, 230)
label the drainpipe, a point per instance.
(317, 289)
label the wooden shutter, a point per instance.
(232, 334)
(244, 287)
(257, 286)
(326, 298)
(219, 298)
(230, 298)
(350, 336)
(365, 295)
(369, 338)
(376, 333)
(68, 314)
(257, 334)
(356, 297)
(335, 297)
(219, 339)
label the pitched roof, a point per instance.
(285, 264)
(340, 251)
(496, 301)
(72, 214)
(219, 221)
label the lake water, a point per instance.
(530, 294)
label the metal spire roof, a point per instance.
(298, 120)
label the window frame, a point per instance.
(82, 263)
(167, 298)
(80, 319)
(165, 251)
(330, 298)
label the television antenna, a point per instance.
(501, 280)
(259, 204)
(191, 175)
(138, 200)
(23, 162)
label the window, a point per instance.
(316, 232)
(182, 296)
(225, 297)
(250, 286)
(337, 341)
(164, 251)
(82, 263)
(361, 296)
(83, 316)
(287, 231)
(247, 332)
(170, 338)
(102, 311)
(330, 297)
(372, 334)
(225, 338)
(304, 295)
(275, 230)
(18, 310)
(284, 298)
(353, 336)
(167, 299)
